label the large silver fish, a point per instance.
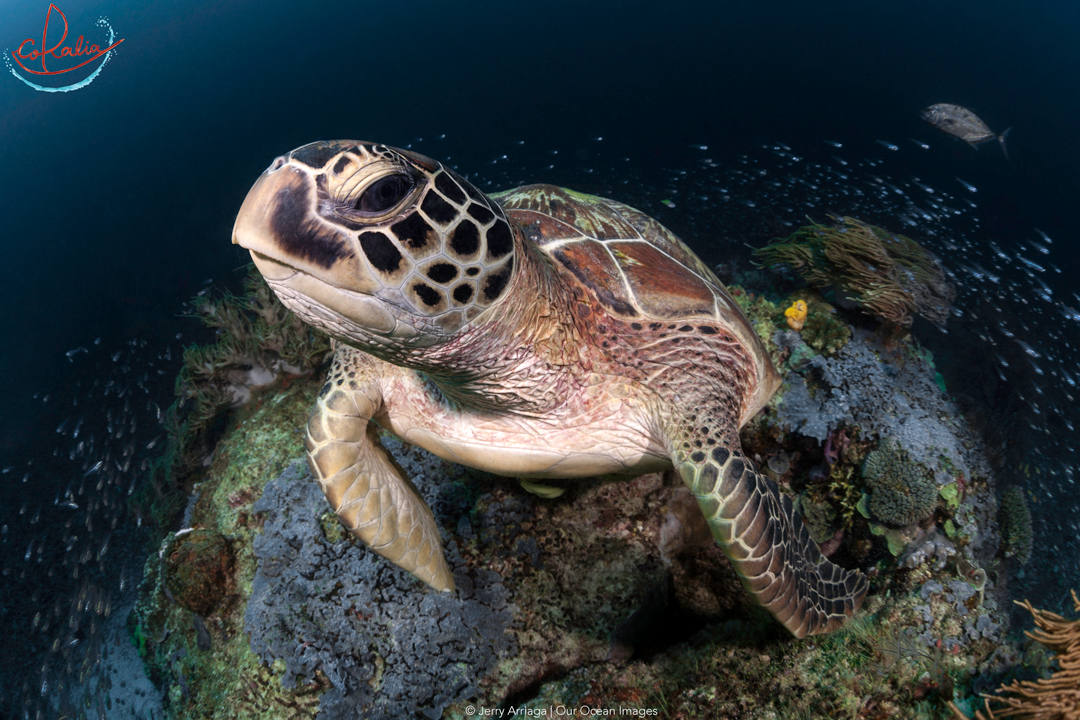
(962, 123)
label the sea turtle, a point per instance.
(537, 333)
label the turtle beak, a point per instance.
(251, 230)
(306, 260)
(263, 224)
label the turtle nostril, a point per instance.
(278, 162)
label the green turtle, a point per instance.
(537, 333)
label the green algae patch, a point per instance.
(262, 440)
(765, 317)
(951, 494)
(204, 664)
(331, 526)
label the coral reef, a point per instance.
(889, 275)
(389, 646)
(611, 595)
(902, 492)
(926, 546)
(854, 389)
(895, 395)
(822, 331)
(575, 581)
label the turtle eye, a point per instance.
(384, 194)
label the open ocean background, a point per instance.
(117, 200)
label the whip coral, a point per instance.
(1056, 698)
(891, 276)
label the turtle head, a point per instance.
(381, 248)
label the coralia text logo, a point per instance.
(61, 58)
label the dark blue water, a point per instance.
(119, 198)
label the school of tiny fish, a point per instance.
(71, 551)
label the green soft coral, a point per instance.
(889, 275)
(258, 339)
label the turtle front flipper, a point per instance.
(768, 545)
(364, 486)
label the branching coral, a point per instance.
(1056, 698)
(889, 275)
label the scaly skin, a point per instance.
(554, 335)
(765, 539)
(366, 489)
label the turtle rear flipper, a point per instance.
(363, 484)
(768, 545)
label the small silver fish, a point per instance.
(968, 186)
(962, 123)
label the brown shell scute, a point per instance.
(663, 239)
(632, 264)
(596, 269)
(660, 283)
(578, 213)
